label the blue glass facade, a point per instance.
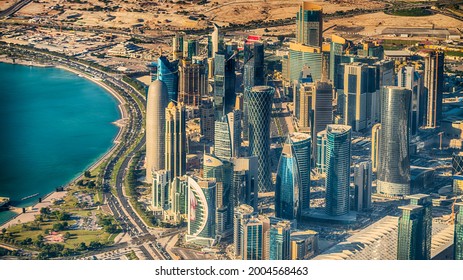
(168, 73)
(280, 241)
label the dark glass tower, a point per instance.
(168, 73)
(301, 147)
(224, 84)
(458, 236)
(309, 24)
(260, 111)
(338, 149)
(434, 83)
(394, 160)
(424, 252)
(280, 241)
(410, 243)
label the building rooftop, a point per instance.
(298, 136)
(410, 207)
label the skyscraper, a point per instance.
(434, 83)
(215, 44)
(338, 150)
(288, 184)
(160, 190)
(155, 129)
(375, 136)
(321, 151)
(201, 211)
(190, 48)
(457, 173)
(193, 81)
(260, 110)
(362, 183)
(168, 73)
(175, 155)
(224, 84)
(301, 147)
(411, 79)
(410, 241)
(280, 241)
(458, 235)
(394, 160)
(301, 56)
(207, 119)
(306, 95)
(424, 200)
(244, 181)
(177, 45)
(309, 24)
(255, 231)
(242, 213)
(227, 138)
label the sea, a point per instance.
(54, 125)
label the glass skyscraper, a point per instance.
(224, 84)
(301, 147)
(394, 160)
(175, 153)
(338, 155)
(458, 236)
(260, 111)
(321, 152)
(309, 24)
(227, 138)
(424, 250)
(242, 213)
(244, 181)
(280, 241)
(434, 83)
(457, 173)
(410, 243)
(168, 73)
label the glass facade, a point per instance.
(227, 137)
(409, 241)
(280, 241)
(175, 155)
(423, 251)
(394, 159)
(434, 83)
(321, 152)
(458, 236)
(457, 172)
(301, 147)
(309, 25)
(338, 155)
(168, 73)
(224, 84)
(260, 111)
(241, 214)
(253, 240)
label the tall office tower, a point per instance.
(409, 78)
(359, 95)
(168, 73)
(434, 83)
(371, 49)
(288, 185)
(322, 106)
(375, 136)
(155, 129)
(242, 213)
(305, 78)
(301, 147)
(321, 151)
(201, 211)
(193, 81)
(207, 119)
(362, 183)
(309, 24)
(216, 41)
(337, 169)
(260, 111)
(160, 190)
(301, 56)
(426, 226)
(337, 50)
(177, 45)
(190, 48)
(175, 155)
(409, 236)
(458, 235)
(224, 84)
(179, 198)
(255, 231)
(253, 75)
(306, 95)
(457, 173)
(244, 181)
(227, 139)
(394, 159)
(221, 171)
(280, 241)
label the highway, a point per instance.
(14, 8)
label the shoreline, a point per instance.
(119, 123)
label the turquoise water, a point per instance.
(54, 125)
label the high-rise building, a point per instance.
(411, 79)
(168, 73)
(322, 106)
(309, 24)
(255, 231)
(190, 48)
(338, 150)
(394, 160)
(280, 241)
(434, 83)
(321, 152)
(301, 56)
(179, 198)
(175, 154)
(160, 190)
(337, 50)
(306, 95)
(426, 224)
(177, 45)
(457, 173)
(410, 241)
(458, 235)
(242, 213)
(375, 136)
(244, 181)
(155, 129)
(260, 110)
(304, 244)
(362, 184)
(215, 43)
(201, 211)
(207, 119)
(193, 81)
(301, 147)
(288, 185)
(224, 84)
(227, 138)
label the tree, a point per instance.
(45, 211)
(87, 174)
(67, 235)
(82, 247)
(3, 231)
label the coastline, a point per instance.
(17, 219)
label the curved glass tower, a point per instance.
(287, 187)
(168, 73)
(337, 169)
(394, 160)
(260, 111)
(301, 147)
